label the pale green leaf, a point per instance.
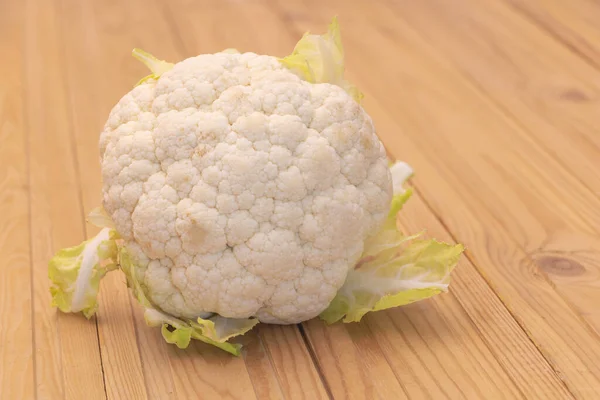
(394, 269)
(221, 329)
(100, 218)
(180, 337)
(214, 329)
(76, 272)
(156, 66)
(320, 59)
(416, 271)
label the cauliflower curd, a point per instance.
(244, 188)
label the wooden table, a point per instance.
(496, 104)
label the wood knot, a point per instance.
(560, 266)
(574, 96)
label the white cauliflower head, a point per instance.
(242, 189)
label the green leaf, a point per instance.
(394, 269)
(214, 330)
(221, 329)
(75, 272)
(100, 218)
(156, 66)
(320, 59)
(415, 271)
(180, 337)
(128, 267)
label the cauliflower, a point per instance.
(244, 188)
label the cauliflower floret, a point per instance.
(242, 189)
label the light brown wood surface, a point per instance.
(496, 105)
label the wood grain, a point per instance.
(527, 367)
(17, 365)
(573, 23)
(493, 103)
(56, 215)
(297, 376)
(353, 362)
(523, 181)
(553, 94)
(85, 72)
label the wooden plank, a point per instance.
(353, 363)
(155, 360)
(545, 87)
(508, 342)
(228, 23)
(540, 180)
(100, 45)
(443, 357)
(447, 149)
(575, 23)
(67, 353)
(16, 328)
(261, 369)
(545, 316)
(90, 85)
(203, 371)
(297, 375)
